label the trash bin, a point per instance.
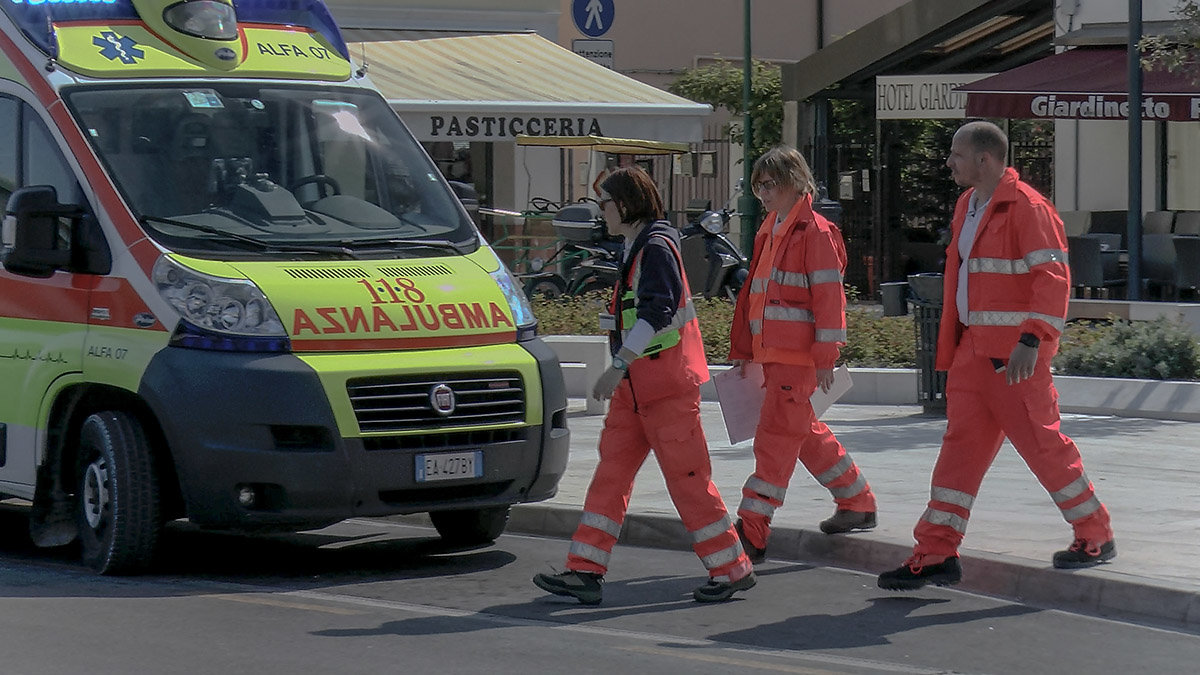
(927, 317)
(894, 294)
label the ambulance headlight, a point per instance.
(522, 311)
(203, 19)
(219, 313)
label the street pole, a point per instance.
(1133, 224)
(747, 204)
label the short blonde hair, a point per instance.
(786, 165)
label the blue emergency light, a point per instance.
(35, 18)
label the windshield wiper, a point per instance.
(438, 244)
(254, 242)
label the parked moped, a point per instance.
(715, 266)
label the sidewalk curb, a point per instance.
(1096, 591)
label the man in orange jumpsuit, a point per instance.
(654, 382)
(791, 318)
(1005, 303)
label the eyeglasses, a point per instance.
(762, 186)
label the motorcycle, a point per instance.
(715, 266)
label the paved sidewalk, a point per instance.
(1145, 471)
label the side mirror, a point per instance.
(33, 244)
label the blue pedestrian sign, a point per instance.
(593, 18)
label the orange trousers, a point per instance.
(982, 409)
(671, 427)
(788, 431)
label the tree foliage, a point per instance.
(720, 85)
(1177, 52)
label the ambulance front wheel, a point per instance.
(472, 526)
(118, 509)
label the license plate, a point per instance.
(449, 465)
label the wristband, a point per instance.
(1029, 340)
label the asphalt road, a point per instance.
(374, 596)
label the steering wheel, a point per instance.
(317, 178)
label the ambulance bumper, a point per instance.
(255, 446)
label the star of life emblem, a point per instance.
(118, 47)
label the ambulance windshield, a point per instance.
(287, 166)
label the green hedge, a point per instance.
(1148, 350)
(874, 341)
(1157, 350)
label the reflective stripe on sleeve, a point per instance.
(825, 277)
(714, 530)
(603, 523)
(1012, 319)
(831, 335)
(1018, 266)
(1071, 491)
(950, 496)
(953, 520)
(762, 487)
(756, 506)
(589, 552)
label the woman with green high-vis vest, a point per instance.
(658, 365)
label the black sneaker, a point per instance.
(1083, 553)
(719, 591)
(910, 576)
(584, 586)
(754, 553)
(845, 521)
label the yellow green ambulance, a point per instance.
(234, 289)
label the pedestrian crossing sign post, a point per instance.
(593, 18)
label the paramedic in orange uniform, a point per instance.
(1005, 303)
(658, 365)
(791, 318)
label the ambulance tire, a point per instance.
(474, 526)
(118, 507)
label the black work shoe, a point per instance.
(1082, 553)
(845, 521)
(911, 575)
(718, 591)
(754, 553)
(584, 586)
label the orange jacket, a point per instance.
(677, 369)
(793, 309)
(1018, 279)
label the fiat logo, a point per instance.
(441, 398)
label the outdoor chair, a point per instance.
(1187, 265)
(1092, 267)
(1187, 222)
(1158, 222)
(1109, 222)
(1109, 241)
(1076, 223)
(1158, 263)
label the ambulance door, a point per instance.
(43, 322)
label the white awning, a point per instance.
(496, 87)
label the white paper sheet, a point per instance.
(741, 398)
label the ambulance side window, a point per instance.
(8, 148)
(42, 163)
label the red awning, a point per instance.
(1082, 84)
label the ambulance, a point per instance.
(235, 290)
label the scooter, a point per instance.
(715, 266)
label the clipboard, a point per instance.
(741, 398)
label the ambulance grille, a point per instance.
(402, 403)
(327, 273)
(416, 271)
